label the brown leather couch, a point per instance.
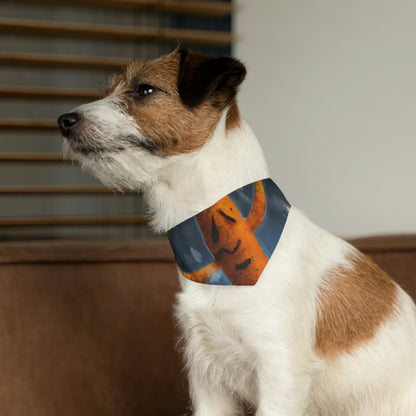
(86, 328)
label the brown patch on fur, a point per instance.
(162, 117)
(354, 302)
(233, 116)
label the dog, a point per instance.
(283, 317)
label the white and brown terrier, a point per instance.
(322, 331)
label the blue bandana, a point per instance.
(231, 242)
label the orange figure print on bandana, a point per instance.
(231, 250)
(231, 240)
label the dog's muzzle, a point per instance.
(67, 123)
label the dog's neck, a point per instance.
(190, 183)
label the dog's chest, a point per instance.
(215, 341)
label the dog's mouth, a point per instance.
(78, 145)
(85, 138)
(80, 136)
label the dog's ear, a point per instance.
(202, 77)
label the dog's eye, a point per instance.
(143, 90)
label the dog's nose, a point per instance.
(67, 121)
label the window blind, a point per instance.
(55, 55)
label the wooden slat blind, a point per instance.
(28, 125)
(54, 190)
(36, 222)
(20, 125)
(49, 93)
(56, 61)
(76, 30)
(198, 7)
(31, 157)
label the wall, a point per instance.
(331, 95)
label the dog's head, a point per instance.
(152, 112)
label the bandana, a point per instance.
(231, 242)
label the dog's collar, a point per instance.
(230, 242)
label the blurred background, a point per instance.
(330, 93)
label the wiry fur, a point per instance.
(257, 344)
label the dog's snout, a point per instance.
(67, 121)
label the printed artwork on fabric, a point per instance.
(231, 242)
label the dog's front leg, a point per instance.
(282, 386)
(209, 399)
